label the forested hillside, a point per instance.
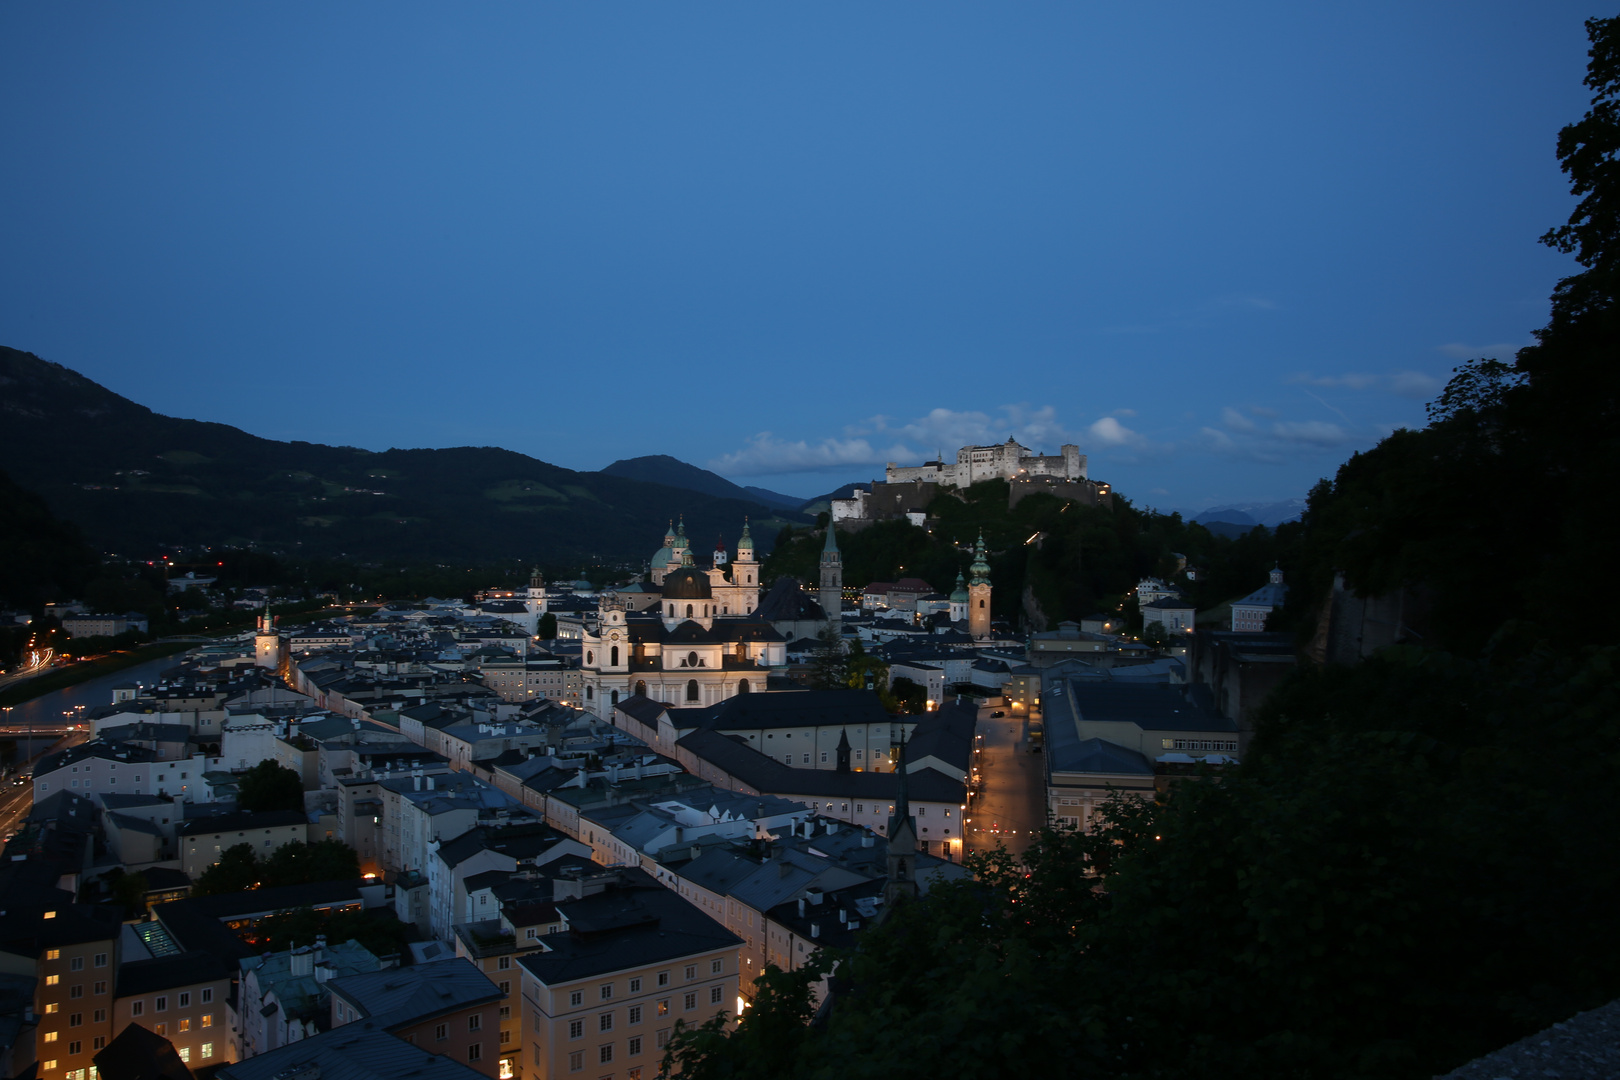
(135, 481)
(1416, 860)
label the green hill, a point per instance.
(134, 480)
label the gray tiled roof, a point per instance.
(398, 996)
(351, 1052)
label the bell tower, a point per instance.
(979, 593)
(831, 594)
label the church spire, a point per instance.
(902, 839)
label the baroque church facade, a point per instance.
(698, 643)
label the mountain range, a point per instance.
(137, 482)
(663, 469)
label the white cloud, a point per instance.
(881, 439)
(1236, 420)
(1311, 432)
(1124, 412)
(1110, 432)
(1505, 350)
(1414, 384)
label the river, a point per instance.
(48, 708)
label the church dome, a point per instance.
(687, 583)
(663, 558)
(960, 594)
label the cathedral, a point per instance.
(697, 643)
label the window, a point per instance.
(604, 1022)
(506, 987)
(53, 954)
(137, 1008)
(208, 1020)
(663, 1007)
(185, 999)
(162, 1003)
(607, 991)
(663, 978)
(635, 1074)
(824, 757)
(207, 994)
(51, 1036)
(576, 1060)
(52, 980)
(98, 1043)
(661, 1039)
(860, 808)
(185, 1053)
(101, 988)
(99, 1016)
(577, 997)
(207, 1050)
(576, 1029)
(51, 1064)
(76, 990)
(475, 1052)
(533, 932)
(691, 690)
(635, 1015)
(76, 964)
(442, 1032)
(161, 1029)
(185, 1023)
(604, 1053)
(505, 962)
(506, 1037)
(76, 1020)
(716, 966)
(635, 1046)
(475, 1022)
(689, 1001)
(714, 995)
(691, 971)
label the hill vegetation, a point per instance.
(135, 482)
(1412, 866)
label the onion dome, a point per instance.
(980, 570)
(959, 595)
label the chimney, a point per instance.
(320, 946)
(430, 783)
(302, 961)
(815, 929)
(324, 971)
(843, 915)
(801, 907)
(866, 840)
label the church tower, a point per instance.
(902, 840)
(959, 601)
(831, 595)
(535, 601)
(267, 643)
(979, 593)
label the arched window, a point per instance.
(691, 659)
(742, 687)
(615, 698)
(615, 655)
(672, 611)
(981, 603)
(750, 579)
(641, 687)
(691, 690)
(688, 611)
(587, 693)
(590, 658)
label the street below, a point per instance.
(1011, 802)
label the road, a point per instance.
(1011, 803)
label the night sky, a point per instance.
(1220, 246)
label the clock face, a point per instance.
(613, 636)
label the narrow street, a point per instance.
(1011, 803)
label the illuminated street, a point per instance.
(1011, 803)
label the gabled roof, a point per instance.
(351, 1052)
(396, 997)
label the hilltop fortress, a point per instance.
(1003, 461)
(907, 490)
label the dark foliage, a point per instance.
(270, 786)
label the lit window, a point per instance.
(207, 1050)
(185, 1053)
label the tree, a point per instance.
(911, 697)
(270, 786)
(547, 630)
(236, 871)
(299, 863)
(828, 665)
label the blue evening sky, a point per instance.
(1220, 246)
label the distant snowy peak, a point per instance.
(1269, 514)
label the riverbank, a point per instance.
(84, 671)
